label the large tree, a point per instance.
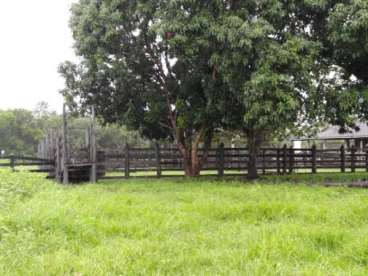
(183, 68)
(346, 42)
(341, 27)
(347, 32)
(147, 78)
(264, 55)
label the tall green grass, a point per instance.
(181, 227)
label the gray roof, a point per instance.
(333, 133)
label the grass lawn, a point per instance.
(183, 227)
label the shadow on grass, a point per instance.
(359, 179)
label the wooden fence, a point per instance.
(228, 161)
(31, 164)
(66, 162)
(222, 161)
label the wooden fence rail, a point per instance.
(32, 164)
(158, 161)
(223, 161)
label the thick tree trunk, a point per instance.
(192, 164)
(254, 143)
(190, 152)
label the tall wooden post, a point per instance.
(284, 159)
(93, 150)
(12, 163)
(58, 160)
(158, 159)
(87, 140)
(263, 161)
(366, 159)
(47, 152)
(65, 148)
(51, 151)
(291, 159)
(314, 159)
(221, 160)
(127, 162)
(353, 158)
(278, 161)
(343, 159)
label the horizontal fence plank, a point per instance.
(41, 171)
(161, 160)
(31, 164)
(270, 160)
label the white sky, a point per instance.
(34, 40)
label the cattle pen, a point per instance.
(64, 162)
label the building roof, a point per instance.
(334, 133)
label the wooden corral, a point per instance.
(158, 161)
(76, 165)
(224, 161)
(68, 164)
(91, 163)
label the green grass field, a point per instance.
(276, 226)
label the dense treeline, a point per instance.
(21, 131)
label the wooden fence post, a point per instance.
(221, 160)
(284, 161)
(127, 161)
(264, 161)
(291, 159)
(93, 177)
(353, 158)
(52, 153)
(58, 160)
(12, 163)
(343, 158)
(366, 159)
(158, 159)
(278, 161)
(87, 139)
(65, 148)
(314, 159)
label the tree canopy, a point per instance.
(134, 74)
(347, 45)
(183, 69)
(18, 132)
(263, 60)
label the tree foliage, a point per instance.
(346, 30)
(134, 73)
(264, 58)
(18, 132)
(182, 69)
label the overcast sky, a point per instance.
(34, 40)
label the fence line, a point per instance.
(223, 161)
(158, 161)
(32, 164)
